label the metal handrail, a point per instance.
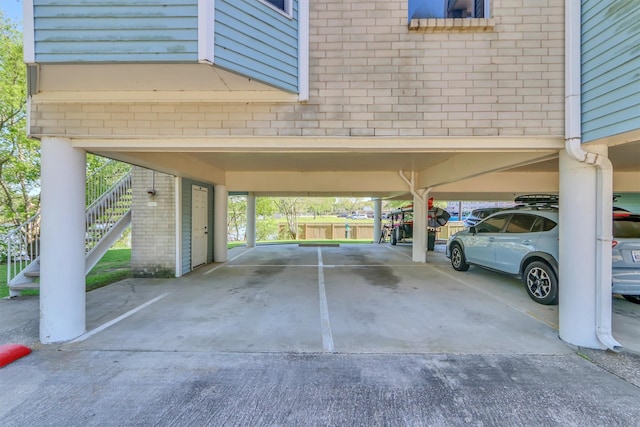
(108, 199)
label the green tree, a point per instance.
(266, 224)
(237, 217)
(290, 207)
(265, 206)
(19, 155)
(319, 205)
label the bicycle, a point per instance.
(384, 234)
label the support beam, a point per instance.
(62, 261)
(177, 185)
(377, 219)
(419, 228)
(368, 183)
(220, 223)
(577, 293)
(469, 165)
(186, 165)
(251, 220)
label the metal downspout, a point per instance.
(573, 132)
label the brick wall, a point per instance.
(370, 75)
(152, 225)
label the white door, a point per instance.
(199, 231)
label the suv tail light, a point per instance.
(613, 244)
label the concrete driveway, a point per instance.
(349, 335)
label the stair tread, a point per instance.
(24, 286)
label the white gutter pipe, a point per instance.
(604, 177)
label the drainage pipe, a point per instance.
(604, 176)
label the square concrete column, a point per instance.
(62, 260)
(220, 223)
(419, 230)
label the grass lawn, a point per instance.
(114, 266)
(328, 219)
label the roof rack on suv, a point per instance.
(537, 201)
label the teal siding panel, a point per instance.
(610, 64)
(116, 30)
(253, 40)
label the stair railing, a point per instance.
(107, 201)
(23, 246)
(105, 211)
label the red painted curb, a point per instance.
(12, 352)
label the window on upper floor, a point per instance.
(423, 9)
(283, 6)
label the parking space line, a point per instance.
(396, 250)
(228, 261)
(327, 337)
(492, 295)
(117, 319)
(324, 265)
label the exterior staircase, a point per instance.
(108, 214)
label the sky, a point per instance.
(12, 9)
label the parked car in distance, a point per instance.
(478, 215)
(625, 254)
(359, 216)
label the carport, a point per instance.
(353, 298)
(461, 114)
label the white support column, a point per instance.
(377, 219)
(220, 223)
(419, 229)
(251, 220)
(577, 289)
(62, 261)
(177, 185)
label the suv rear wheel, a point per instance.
(541, 283)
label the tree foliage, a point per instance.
(19, 155)
(290, 207)
(236, 217)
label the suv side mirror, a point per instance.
(473, 230)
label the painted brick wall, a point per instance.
(153, 225)
(371, 76)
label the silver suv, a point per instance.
(522, 241)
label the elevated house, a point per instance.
(470, 100)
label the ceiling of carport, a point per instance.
(356, 170)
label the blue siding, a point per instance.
(186, 223)
(116, 30)
(610, 64)
(256, 41)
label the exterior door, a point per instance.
(199, 221)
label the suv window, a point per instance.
(493, 225)
(521, 223)
(627, 227)
(543, 224)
